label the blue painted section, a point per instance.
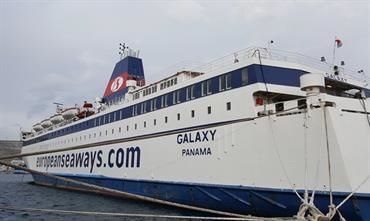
(128, 68)
(244, 200)
(131, 65)
(367, 92)
(274, 75)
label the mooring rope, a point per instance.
(133, 215)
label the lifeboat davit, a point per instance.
(69, 113)
(37, 127)
(56, 119)
(46, 123)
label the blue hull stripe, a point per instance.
(262, 202)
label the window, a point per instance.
(119, 130)
(206, 87)
(165, 119)
(136, 96)
(190, 93)
(225, 82)
(164, 100)
(135, 126)
(244, 76)
(176, 97)
(228, 80)
(106, 132)
(144, 123)
(178, 116)
(155, 122)
(143, 107)
(209, 109)
(153, 105)
(222, 83)
(134, 110)
(113, 131)
(228, 106)
(192, 113)
(127, 128)
(154, 89)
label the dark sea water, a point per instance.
(18, 191)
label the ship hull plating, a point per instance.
(262, 202)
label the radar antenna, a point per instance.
(58, 109)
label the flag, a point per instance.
(338, 42)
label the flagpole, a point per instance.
(334, 50)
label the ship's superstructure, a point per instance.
(248, 134)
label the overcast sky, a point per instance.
(65, 51)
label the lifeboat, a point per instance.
(46, 123)
(69, 113)
(87, 105)
(56, 119)
(85, 111)
(37, 127)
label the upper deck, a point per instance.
(245, 67)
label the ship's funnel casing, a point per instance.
(129, 68)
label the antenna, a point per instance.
(269, 47)
(58, 109)
(58, 104)
(122, 48)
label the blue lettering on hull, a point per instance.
(116, 158)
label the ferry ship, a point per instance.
(260, 132)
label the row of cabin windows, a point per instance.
(168, 83)
(149, 90)
(209, 111)
(217, 84)
(224, 82)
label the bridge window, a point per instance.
(178, 116)
(244, 76)
(209, 109)
(192, 113)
